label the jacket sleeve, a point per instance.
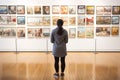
(66, 37)
(52, 38)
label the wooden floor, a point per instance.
(79, 66)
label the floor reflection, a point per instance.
(78, 67)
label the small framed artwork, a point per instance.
(99, 10)
(3, 9)
(65, 19)
(54, 20)
(12, 9)
(107, 10)
(35, 21)
(31, 33)
(20, 9)
(115, 19)
(81, 20)
(64, 9)
(102, 31)
(1, 32)
(3, 20)
(115, 30)
(46, 10)
(37, 9)
(72, 9)
(8, 32)
(81, 32)
(29, 9)
(46, 32)
(46, 21)
(72, 32)
(106, 20)
(103, 10)
(115, 10)
(34, 32)
(11, 20)
(89, 32)
(89, 20)
(21, 20)
(72, 20)
(99, 19)
(21, 32)
(55, 9)
(81, 9)
(90, 10)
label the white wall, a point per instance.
(98, 43)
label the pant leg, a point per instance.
(62, 64)
(56, 64)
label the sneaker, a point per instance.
(62, 74)
(56, 75)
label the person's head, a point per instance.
(60, 24)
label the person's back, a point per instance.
(59, 38)
(59, 48)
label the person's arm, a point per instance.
(52, 38)
(66, 37)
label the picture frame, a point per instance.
(99, 10)
(8, 32)
(90, 10)
(34, 33)
(103, 20)
(46, 32)
(55, 9)
(3, 9)
(115, 30)
(21, 20)
(11, 20)
(29, 9)
(107, 19)
(81, 32)
(20, 9)
(46, 10)
(12, 9)
(72, 21)
(72, 32)
(81, 9)
(103, 31)
(3, 20)
(1, 32)
(46, 20)
(37, 9)
(21, 32)
(103, 10)
(34, 21)
(115, 10)
(107, 10)
(115, 19)
(89, 20)
(89, 32)
(72, 9)
(81, 20)
(64, 9)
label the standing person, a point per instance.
(59, 38)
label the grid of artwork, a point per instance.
(81, 21)
(107, 20)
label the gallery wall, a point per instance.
(95, 43)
